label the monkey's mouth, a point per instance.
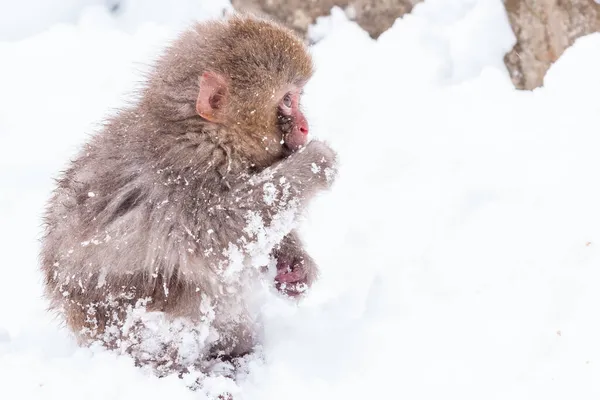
(293, 141)
(287, 150)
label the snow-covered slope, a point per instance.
(459, 247)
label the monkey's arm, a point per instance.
(292, 181)
(274, 197)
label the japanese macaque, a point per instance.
(161, 228)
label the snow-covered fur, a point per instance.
(165, 212)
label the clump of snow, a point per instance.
(458, 246)
(164, 344)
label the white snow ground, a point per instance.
(459, 248)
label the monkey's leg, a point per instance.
(96, 321)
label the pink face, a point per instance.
(289, 107)
(292, 123)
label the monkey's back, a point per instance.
(122, 230)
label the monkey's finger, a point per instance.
(290, 277)
(292, 289)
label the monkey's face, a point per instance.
(272, 125)
(263, 121)
(291, 123)
(278, 126)
(250, 86)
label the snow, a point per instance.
(458, 246)
(23, 18)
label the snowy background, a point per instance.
(459, 248)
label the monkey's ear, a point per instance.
(211, 96)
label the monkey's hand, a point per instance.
(318, 161)
(292, 277)
(296, 270)
(292, 181)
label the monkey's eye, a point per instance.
(287, 100)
